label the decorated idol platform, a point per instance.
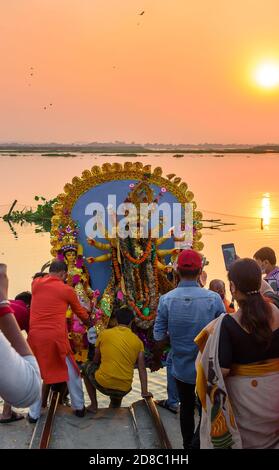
(109, 270)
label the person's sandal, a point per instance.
(163, 404)
(80, 413)
(14, 417)
(31, 420)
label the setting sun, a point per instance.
(267, 74)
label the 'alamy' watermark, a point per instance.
(140, 221)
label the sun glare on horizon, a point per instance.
(266, 211)
(266, 74)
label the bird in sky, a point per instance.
(142, 13)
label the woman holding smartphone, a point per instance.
(238, 374)
(20, 381)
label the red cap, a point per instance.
(189, 260)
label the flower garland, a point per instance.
(140, 314)
(115, 264)
(136, 280)
(138, 286)
(144, 256)
(155, 272)
(127, 271)
(146, 291)
(151, 281)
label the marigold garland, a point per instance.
(155, 272)
(139, 293)
(146, 292)
(144, 256)
(139, 313)
(116, 265)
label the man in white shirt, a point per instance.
(20, 381)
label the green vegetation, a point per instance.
(71, 150)
(40, 217)
(128, 155)
(58, 155)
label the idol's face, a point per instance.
(70, 256)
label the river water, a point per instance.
(233, 188)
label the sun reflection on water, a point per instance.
(266, 212)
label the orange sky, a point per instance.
(176, 74)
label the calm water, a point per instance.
(230, 188)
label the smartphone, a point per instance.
(229, 254)
(273, 284)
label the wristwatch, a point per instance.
(4, 303)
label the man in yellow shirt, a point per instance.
(117, 351)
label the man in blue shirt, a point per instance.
(182, 314)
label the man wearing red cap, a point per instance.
(182, 314)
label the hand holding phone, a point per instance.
(4, 283)
(229, 254)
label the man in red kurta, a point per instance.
(48, 336)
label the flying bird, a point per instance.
(142, 13)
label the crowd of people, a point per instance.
(222, 365)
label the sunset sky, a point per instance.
(181, 72)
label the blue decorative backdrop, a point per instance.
(100, 272)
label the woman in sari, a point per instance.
(238, 371)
